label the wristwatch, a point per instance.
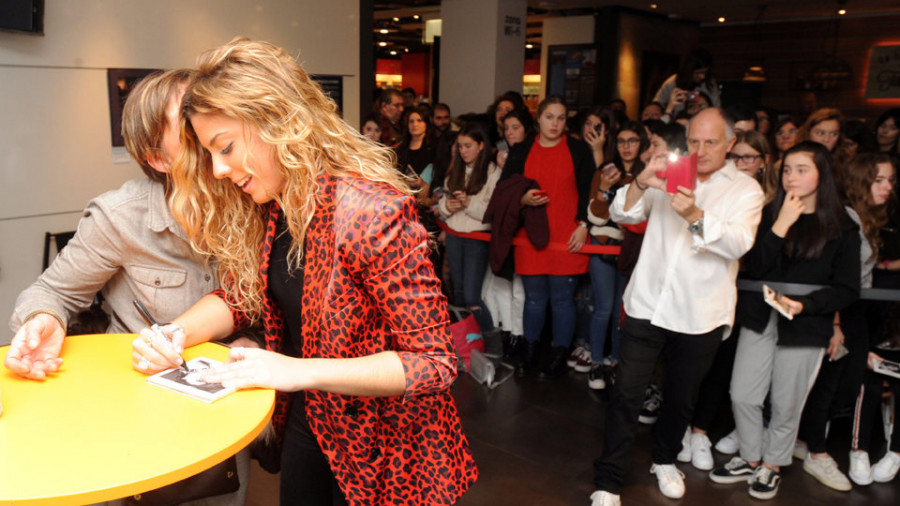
(696, 227)
(609, 195)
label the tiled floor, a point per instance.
(534, 443)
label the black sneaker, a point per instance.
(609, 374)
(596, 378)
(556, 366)
(765, 483)
(737, 470)
(650, 411)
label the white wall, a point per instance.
(560, 31)
(479, 60)
(55, 151)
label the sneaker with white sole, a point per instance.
(595, 377)
(650, 410)
(730, 444)
(670, 480)
(825, 470)
(800, 450)
(685, 454)
(860, 469)
(604, 498)
(886, 468)
(765, 482)
(737, 470)
(701, 455)
(580, 359)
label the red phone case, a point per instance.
(680, 171)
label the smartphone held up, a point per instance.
(681, 170)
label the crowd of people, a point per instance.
(261, 208)
(679, 325)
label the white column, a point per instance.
(482, 51)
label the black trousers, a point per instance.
(715, 386)
(688, 358)
(859, 321)
(306, 478)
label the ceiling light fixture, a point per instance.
(653, 6)
(384, 30)
(382, 44)
(721, 19)
(396, 20)
(393, 53)
(842, 12)
(415, 16)
(529, 46)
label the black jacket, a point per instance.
(838, 268)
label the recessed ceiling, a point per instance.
(406, 33)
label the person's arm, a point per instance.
(397, 272)
(478, 203)
(630, 205)
(90, 259)
(731, 233)
(603, 181)
(209, 319)
(843, 285)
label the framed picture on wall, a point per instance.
(572, 74)
(120, 83)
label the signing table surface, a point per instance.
(97, 431)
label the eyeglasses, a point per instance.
(743, 158)
(632, 141)
(789, 131)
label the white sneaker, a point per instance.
(800, 450)
(860, 470)
(670, 479)
(826, 471)
(730, 444)
(685, 454)
(886, 468)
(701, 456)
(604, 498)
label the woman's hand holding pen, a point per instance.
(152, 352)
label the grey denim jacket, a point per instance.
(128, 246)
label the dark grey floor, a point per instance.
(534, 443)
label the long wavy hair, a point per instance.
(807, 238)
(857, 179)
(264, 88)
(456, 177)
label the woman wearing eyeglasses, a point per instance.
(753, 156)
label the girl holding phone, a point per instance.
(469, 185)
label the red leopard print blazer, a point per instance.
(369, 287)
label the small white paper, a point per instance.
(191, 383)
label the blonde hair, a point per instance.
(144, 116)
(264, 88)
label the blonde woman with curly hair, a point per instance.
(316, 236)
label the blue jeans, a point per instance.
(560, 292)
(607, 284)
(468, 261)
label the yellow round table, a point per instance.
(97, 431)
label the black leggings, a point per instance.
(306, 478)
